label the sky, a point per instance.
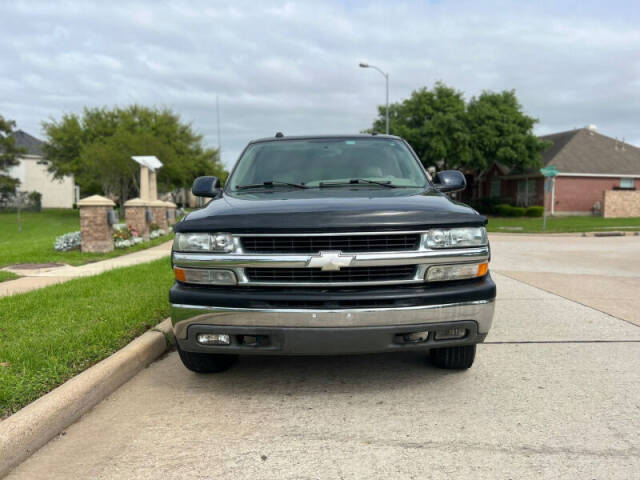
(293, 66)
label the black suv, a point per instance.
(330, 245)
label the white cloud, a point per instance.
(292, 66)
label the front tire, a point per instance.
(206, 362)
(454, 358)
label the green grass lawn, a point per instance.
(49, 335)
(39, 230)
(562, 224)
(4, 276)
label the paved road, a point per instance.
(603, 273)
(555, 393)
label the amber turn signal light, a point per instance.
(483, 269)
(179, 273)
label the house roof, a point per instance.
(32, 145)
(584, 151)
(587, 151)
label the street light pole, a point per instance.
(386, 77)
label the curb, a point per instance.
(611, 234)
(24, 432)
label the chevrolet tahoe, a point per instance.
(326, 245)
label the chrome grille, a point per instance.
(345, 243)
(316, 275)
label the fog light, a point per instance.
(416, 337)
(451, 333)
(440, 273)
(213, 339)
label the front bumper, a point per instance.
(328, 340)
(331, 330)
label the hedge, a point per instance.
(535, 211)
(505, 210)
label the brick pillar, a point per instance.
(171, 213)
(135, 211)
(159, 209)
(97, 233)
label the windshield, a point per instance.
(328, 162)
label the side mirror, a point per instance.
(206, 187)
(450, 181)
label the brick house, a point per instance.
(589, 164)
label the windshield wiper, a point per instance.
(355, 181)
(270, 183)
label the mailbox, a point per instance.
(112, 217)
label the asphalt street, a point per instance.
(554, 393)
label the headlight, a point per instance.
(203, 242)
(456, 237)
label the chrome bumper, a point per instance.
(183, 316)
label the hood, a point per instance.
(337, 209)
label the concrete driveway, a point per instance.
(554, 393)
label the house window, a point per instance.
(531, 187)
(526, 192)
(495, 187)
(626, 183)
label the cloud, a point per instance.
(293, 66)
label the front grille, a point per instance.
(348, 274)
(345, 243)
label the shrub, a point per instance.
(68, 241)
(503, 210)
(535, 211)
(153, 227)
(35, 200)
(486, 205)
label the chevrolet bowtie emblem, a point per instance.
(330, 261)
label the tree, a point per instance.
(96, 147)
(8, 156)
(501, 132)
(433, 122)
(448, 133)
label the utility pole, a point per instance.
(218, 125)
(386, 77)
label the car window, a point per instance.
(310, 162)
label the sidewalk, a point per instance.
(34, 279)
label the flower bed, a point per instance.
(68, 241)
(124, 236)
(157, 233)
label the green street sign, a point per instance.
(550, 171)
